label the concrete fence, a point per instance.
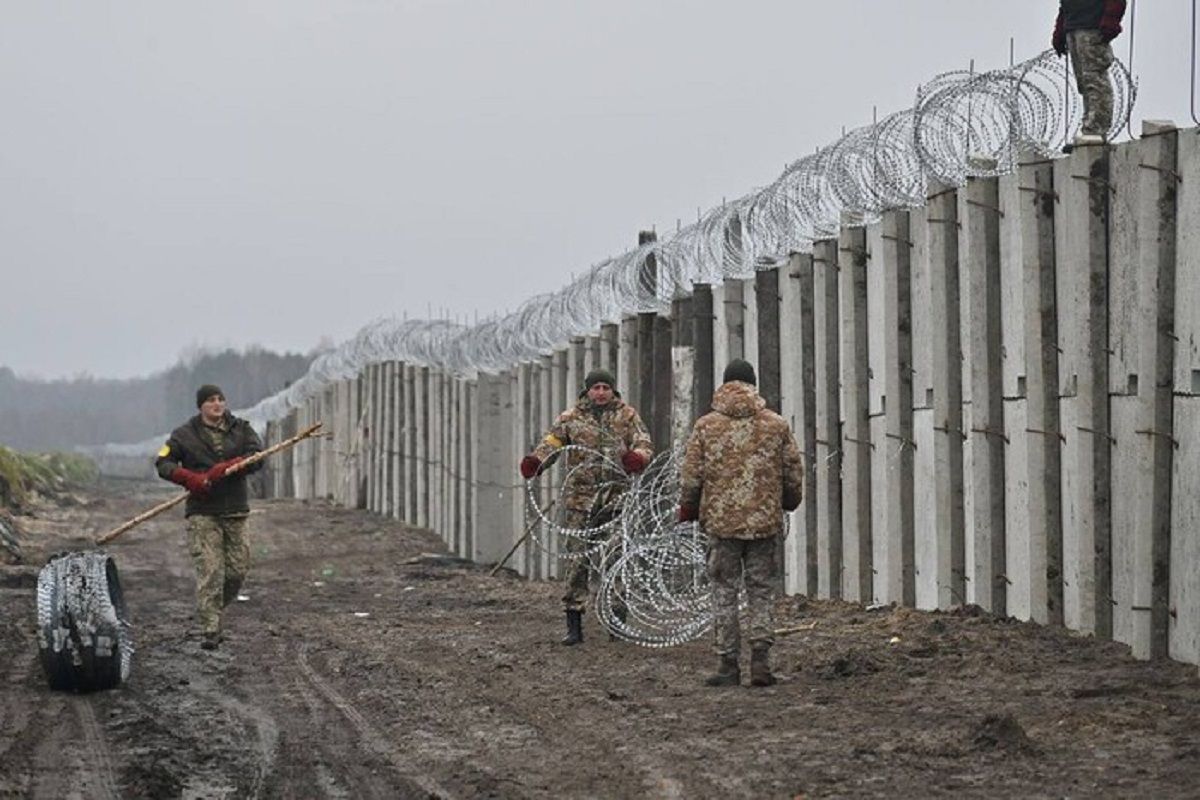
(997, 395)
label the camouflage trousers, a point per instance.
(755, 563)
(1091, 57)
(579, 571)
(221, 555)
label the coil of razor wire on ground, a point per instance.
(961, 124)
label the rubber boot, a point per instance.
(760, 667)
(574, 628)
(727, 674)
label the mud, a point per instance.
(367, 664)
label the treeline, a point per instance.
(59, 414)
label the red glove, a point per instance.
(1059, 39)
(194, 482)
(218, 470)
(633, 461)
(530, 465)
(1110, 22)
(688, 513)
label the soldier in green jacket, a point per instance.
(741, 472)
(614, 433)
(197, 456)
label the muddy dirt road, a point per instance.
(358, 668)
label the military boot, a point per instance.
(574, 628)
(622, 614)
(210, 640)
(760, 667)
(727, 674)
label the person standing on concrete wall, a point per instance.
(1085, 29)
(196, 456)
(741, 471)
(610, 432)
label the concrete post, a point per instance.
(378, 434)
(473, 486)
(591, 354)
(942, 237)
(683, 357)
(338, 428)
(554, 369)
(433, 431)
(399, 463)
(980, 256)
(1184, 570)
(828, 419)
(388, 433)
(329, 470)
(766, 301)
(1033, 209)
(628, 360)
(448, 463)
(610, 342)
(370, 433)
(856, 429)
(1142, 239)
(1082, 181)
(702, 340)
(526, 435)
(797, 378)
(661, 386)
(575, 366)
(494, 503)
(643, 397)
(285, 484)
(730, 331)
(421, 381)
(898, 445)
(412, 463)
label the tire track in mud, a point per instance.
(367, 732)
(654, 774)
(97, 757)
(266, 738)
(14, 709)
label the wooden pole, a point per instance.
(169, 504)
(528, 530)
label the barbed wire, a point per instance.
(652, 584)
(962, 124)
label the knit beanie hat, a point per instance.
(740, 370)
(599, 376)
(206, 391)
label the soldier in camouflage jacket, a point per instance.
(613, 434)
(741, 471)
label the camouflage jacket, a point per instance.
(611, 429)
(742, 467)
(196, 446)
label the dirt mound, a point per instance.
(849, 665)
(1001, 732)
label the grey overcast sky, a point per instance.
(274, 171)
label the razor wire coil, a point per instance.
(962, 124)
